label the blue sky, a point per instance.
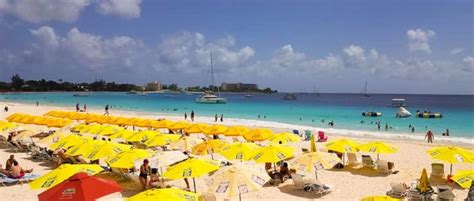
(398, 46)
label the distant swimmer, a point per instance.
(386, 126)
(322, 120)
(258, 116)
(222, 117)
(362, 121)
(409, 126)
(192, 115)
(185, 116)
(378, 126)
(447, 132)
(300, 118)
(412, 129)
(215, 118)
(77, 107)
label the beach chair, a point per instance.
(322, 137)
(367, 161)
(397, 190)
(445, 194)
(207, 197)
(352, 159)
(382, 167)
(307, 135)
(299, 182)
(437, 171)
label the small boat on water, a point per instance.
(371, 114)
(429, 115)
(289, 97)
(80, 95)
(364, 92)
(209, 97)
(248, 96)
(403, 113)
(398, 102)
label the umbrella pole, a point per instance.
(194, 183)
(316, 174)
(378, 157)
(240, 198)
(451, 169)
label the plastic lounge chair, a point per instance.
(352, 159)
(382, 168)
(299, 182)
(207, 197)
(446, 195)
(296, 132)
(307, 135)
(367, 161)
(437, 171)
(397, 190)
(318, 189)
(322, 137)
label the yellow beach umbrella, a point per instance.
(145, 123)
(69, 141)
(191, 168)
(239, 151)
(109, 130)
(380, 198)
(314, 161)
(424, 184)
(16, 117)
(259, 134)
(185, 143)
(378, 147)
(196, 128)
(162, 123)
(122, 121)
(161, 140)
(52, 138)
(165, 194)
(84, 148)
(123, 134)
(126, 159)
(62, 173)
(284, 138)
(208, 147)
(7, 126)
(343, 145)
(464, 178)
(236, 131)
(179, 125)
(79, 127)
(273, 153)
(215, 130)
(92, 129)
(105, 150)
(237, 179)
(142, 135)
(452, 155)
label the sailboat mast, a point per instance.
(365, 88)
(212, 75)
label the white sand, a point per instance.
(350, 183)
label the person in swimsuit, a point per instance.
(144, 172)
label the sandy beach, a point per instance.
(350, 183)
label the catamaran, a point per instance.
(209, 96)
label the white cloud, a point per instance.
(189, 52)
(123, 8)
(456, 51)
(469, 64)
(37, 11)
(83, 49)
(419, 40)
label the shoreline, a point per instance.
(276, 126)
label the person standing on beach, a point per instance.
(185, 116)
(6, 108)
(215, 118)
(447, 132)
(429, 135)
(378, 126)
(106, 110)
(412, 129)
(85, 108)
(222, 117)
(37, 103)
(77, 107)
(192, 115)
(386, 126)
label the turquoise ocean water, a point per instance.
(309, 109)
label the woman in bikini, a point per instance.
(144, 172)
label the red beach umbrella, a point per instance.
(82, 187)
